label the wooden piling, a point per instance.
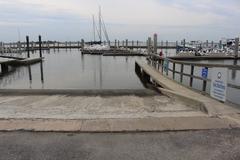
(236, 47)
(4, 68)
(28, 50)
(155, 43)
(82, 44)
(115, 44)
(149, 41)
(40, 46)
(184, 44)
(220, 44)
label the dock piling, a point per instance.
(115, 45)
(149, 41)
(4, 68)
(28, 50)
(82, 44)
(40, 46)
(236, 47)
(155, 43)
(184, 44)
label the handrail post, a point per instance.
(181, 76)
(191, 78)
(174, 67)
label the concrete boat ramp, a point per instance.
(172, 108)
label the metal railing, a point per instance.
(163, 66)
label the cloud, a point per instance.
(121, 16)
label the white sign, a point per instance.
(219, 83)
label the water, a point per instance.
(72, 70)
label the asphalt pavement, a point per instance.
(180, 145)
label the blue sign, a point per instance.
(205, 72)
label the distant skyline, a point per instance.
(172, 20)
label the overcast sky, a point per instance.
(132, 19)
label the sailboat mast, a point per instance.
(100, 24)
(19, 35)
(94, 33)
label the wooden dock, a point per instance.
(6, 62)
(124, 54)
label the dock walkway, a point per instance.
(212, 106)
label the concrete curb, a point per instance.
(117, 125)
(77, 92)
(199, 105)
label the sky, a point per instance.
(172, 20)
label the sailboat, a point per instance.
(97, 47)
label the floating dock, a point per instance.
(212, 57)
(113, 52)
(5, 62)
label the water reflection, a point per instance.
(100, 72)
(73, 70)
(42, 76)
(30, 76)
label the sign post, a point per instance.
(219, 83)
